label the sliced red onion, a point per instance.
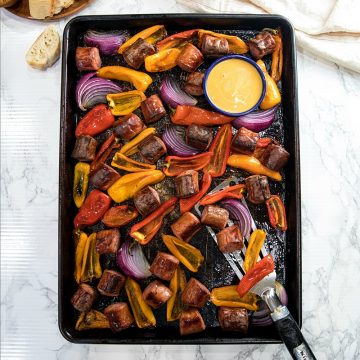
(91, 90)
(173, 95)
(262, 316)
(108, 43)
(132, 261)
(239, 213)
(175, 143)
(257, 120)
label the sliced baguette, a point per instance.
(61, 4)
(45, 50)
(40, 9)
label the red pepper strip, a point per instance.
(276, 212)
(189, 203)
(254, 275)
(145, 230)
(93, 209)
(95, 121)
(221, 151)
(231, 192)
(175, 165)
(106, 148)
(119, 216)
(177, 40)
(187, 115)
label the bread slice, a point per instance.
(61, 4)
(45, 50)
(40, 9)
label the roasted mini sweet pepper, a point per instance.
(252, 165)
(276, 212)
(187, 254)
(174, 305)
(119, 216)
(126, 187)
(177, 40)
(110, 144)
(126, 102)
(272, 94)
(150, 35)
(142, 312)
(95, 121)
(175, 165)
(81, 181)
(277, 56)
(139, 79)
(256, 241)
(186, 115)
(220, 148)
(145, 230)
(162, 61)
(236, 45)
(228, 296)
(131, 147)
(262, 268)
(187, 204)
(230, 192)
(87, 260)
(92, 319)
(123, 162)
(93, 209)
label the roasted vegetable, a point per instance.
(162, 61)
(177, 40)
(81, 180)
(118, 216)
(256, 241)
(123, 162)
(132, 147)
(126, 102)
(276, 212)
(230, 192)
(174, 304)
(92, 320)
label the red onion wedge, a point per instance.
(175, 144)
(91, 90)
(240, 213)
(257, 120)
(108, 43)
(173, 95)
(132, 261)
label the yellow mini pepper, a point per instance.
(126, 187)
(162, 61)
(252, 165)
(131, 147)
(143, 314)
(126, 102)
(256, 241)
(174, 306)
(187, 254)
(228, 296)
(272, 95)
(139, 79)
(81, 181)
(123, 162)
(92, 319)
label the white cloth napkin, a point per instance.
(327, 28)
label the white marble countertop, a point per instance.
(329, 99)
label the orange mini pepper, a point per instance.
(276, 212)
(162, 61)
(177, 40)
(231, 192)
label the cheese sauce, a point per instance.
(234, 86)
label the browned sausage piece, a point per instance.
(128, 126)
(135, 54)
(187, 183)
(103, 177)
(195, 294)
(200, 137)
(156, 294)
(88, 58)
(233, 319)
(215, 216)
(107, 241)
(194, 83)
(186, 226)
(212, 46)
(84, 297)
(257, 187)
(271, 154)
(164, 266)
(152, 109)
(111, 283)
(190, 58)
(146, 200)
(152, 149)
(119, 316)
(244, 141)
(85, 148)
(230, 239)
(262, 44)
(191, 322)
